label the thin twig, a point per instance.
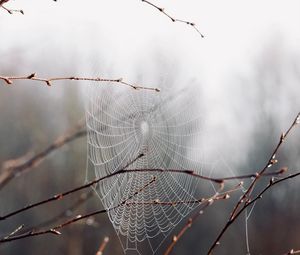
(64, 194)
(119, 172)
(102, 246)
(251, 202)
(246, 197)
(3, 2)
(68, 212)
(173, 19)
(188, 225)
(271, 184)
(48, 81)
(272, 160)
(205, 203)
(13, 168)
(10, 11)
(14, 231)
(292, 251)
(218, 180)
(54, 230)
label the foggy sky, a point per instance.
(116, 38)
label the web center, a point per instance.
(144, 127)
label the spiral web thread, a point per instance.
(165, 127)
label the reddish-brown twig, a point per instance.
(66, 213)
(55, 229)
(249, 203)
(173, 19)
(245, 199)
(64, 194)
(48, 81)
(292, 251)
(119, 172)
(205, 203)
(10, 11)
(13, 168)
(3, 2)
(102, 246)
(201, 201)
(218, 180)
(160, 9)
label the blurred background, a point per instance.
(247, 70)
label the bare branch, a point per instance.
(14, 231)
(121, 171)
(292, 251)
(126, 202)
(160, 9)
(64, 194)
(52, 230)
(66, 213)
(218, 180)
(205, 203)
(102, 246)
(173, 19)
(245, 199)
(248, 203)
(55, 229)
(59, 142)
(48, 81)
(12, 168)
(270, 185)
(3, 1)
(10, 11)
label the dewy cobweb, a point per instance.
(122, 123)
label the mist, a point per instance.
(244, 75)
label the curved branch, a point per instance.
(173, 19)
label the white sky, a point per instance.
(128, 29)
(128, 33)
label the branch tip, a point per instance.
(31, 76)
(297, 121)
(8, 81)
(54, 231)
(283, 170)
(226, 196)
(190, 221)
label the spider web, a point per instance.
(122, 123)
